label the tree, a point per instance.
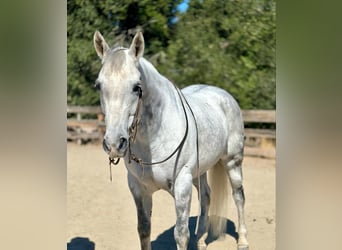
(118, 21)
(226, 43)
(230, 44)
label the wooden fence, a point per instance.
(86, 124)
(260, 142)
(260, 117)
(82, 129)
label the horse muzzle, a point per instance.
(115, 150)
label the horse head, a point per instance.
(119, 85)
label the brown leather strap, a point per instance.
(133, 131)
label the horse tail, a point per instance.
(220, 191)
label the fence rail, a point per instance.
(84, 109)
(260, 142)
(81, 128)
(261, 116)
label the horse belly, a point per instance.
(212, 136)
(218, 120)
(212, 147)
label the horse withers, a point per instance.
(169, 139)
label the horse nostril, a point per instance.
(123, 143)
(105, 146)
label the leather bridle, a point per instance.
(133, 132)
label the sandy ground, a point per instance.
(102, 215)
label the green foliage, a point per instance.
(230, 44)
(118, 21)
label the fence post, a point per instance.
(79, 118)
(100, 119)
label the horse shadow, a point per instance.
(166, 240)
(80, 243)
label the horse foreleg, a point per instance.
(143, 203)
(182, 195)
(204, 192)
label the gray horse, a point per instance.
(169, 139)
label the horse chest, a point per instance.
(151, 177)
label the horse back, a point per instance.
(217, 112)
(215, 101)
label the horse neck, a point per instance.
(160, 102)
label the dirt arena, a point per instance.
(102, 215)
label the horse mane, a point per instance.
(146, 67)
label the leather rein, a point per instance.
(133, 131)
(132, 135)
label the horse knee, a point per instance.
(234, 171)
(144, 229)
(235, 162)
(235, 176)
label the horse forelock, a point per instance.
(117, 61)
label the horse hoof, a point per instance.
(243, 248)
(201, 246)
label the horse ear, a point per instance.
(138, 45)
(100, 44)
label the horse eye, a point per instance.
(97, 85)
(137, 89)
